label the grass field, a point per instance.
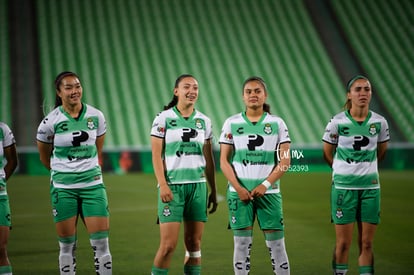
(33, 247)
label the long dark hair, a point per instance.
(266, 107)
(174, 100)
(58, 81)
(348, 103)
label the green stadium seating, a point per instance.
(381, 34)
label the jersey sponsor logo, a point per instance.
(78, 137)
(254, 141)
(360, 141)
(188, 133)
(249, 162)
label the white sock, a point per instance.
(67, 261)
(102, 255)
(241, 255)
(279, 256)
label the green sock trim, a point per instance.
(99, 235)
(159, 271)
(192, 269)
(70, 239)
(5, 269)
(340, 266)
(243, 233)
(273, 236)
(366, 269)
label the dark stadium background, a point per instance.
(129, 52)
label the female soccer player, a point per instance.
(70, 140)
(181, 139)
(354, 141)
(8, 153)
(254, 155)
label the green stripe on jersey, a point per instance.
(186, 175)
(358, 181)
(80, 177)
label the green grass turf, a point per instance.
(33, 247)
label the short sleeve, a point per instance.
(283, 132)
(102, 124)
(384, 133)
(45, 131)
(331, 133)
(158, 126)
(226, 136)
(8, 137)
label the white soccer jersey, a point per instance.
(255, 147)
(6, 140)
(184, 140)
(355, 160)
(74, 161)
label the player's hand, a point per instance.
(212, 203)
(165, 193)
(244, 195)
(259, 191)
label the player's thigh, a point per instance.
(64, 203)
(241, 214)
(270, 212)
(173, 210)
(344, 205)
(196, 202)
(370, 206)
(94, 202)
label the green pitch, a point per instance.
(33, 247)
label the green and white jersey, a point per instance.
(74, 160)
(355, 160)
(6, 140)
(183, 144)
(255, 147)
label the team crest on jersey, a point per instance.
(373, 129)
(90, 123)
(166, 212)
(339, 213)
(198, 124)
(267, 128)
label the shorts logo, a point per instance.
(339, 213)
(166, 212)
(233, 219)
(54, 212)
